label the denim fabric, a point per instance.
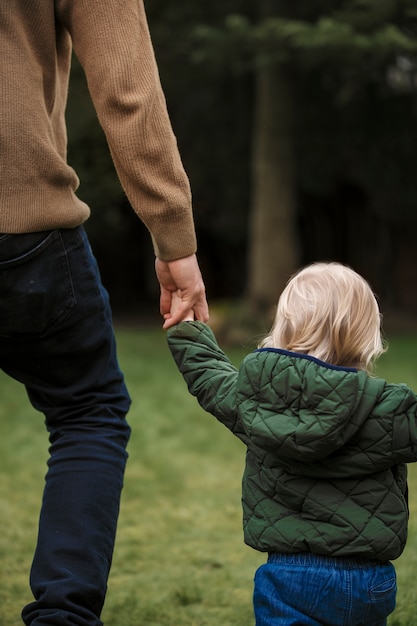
(309, 590)
(56, 338)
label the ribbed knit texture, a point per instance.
(112, 42)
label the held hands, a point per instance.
(176, 304)
(183, 294)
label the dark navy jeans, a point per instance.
(309, 590)
(56, 337)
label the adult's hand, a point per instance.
(182, 276)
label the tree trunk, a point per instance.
(273, 242)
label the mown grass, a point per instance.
(180, 558)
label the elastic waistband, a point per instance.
(308, 559)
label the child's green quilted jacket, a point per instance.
(326, 446)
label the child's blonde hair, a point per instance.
(329, 311)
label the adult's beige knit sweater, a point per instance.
(112, 42)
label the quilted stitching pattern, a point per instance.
(326, 448)
(296, 406)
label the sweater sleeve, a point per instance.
(208, 372)
(112, 42)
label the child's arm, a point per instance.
(208, 372)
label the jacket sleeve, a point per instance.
(404, 423)
(208, 372)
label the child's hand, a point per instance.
(176, 302)
(183, 274)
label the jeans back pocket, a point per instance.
(36, 289)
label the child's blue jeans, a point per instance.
(56, 338)
(309, 590)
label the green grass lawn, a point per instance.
(180, 559)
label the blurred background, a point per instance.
(297, 126)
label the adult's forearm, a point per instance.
(124, 84)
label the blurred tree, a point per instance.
(347, 45)
(296, 126)
(273, 241)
